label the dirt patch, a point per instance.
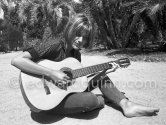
(143, 82)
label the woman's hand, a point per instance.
(59, 77)
(115, 66)
(102, 74)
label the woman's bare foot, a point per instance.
(131, 109)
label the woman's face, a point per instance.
(79, 41)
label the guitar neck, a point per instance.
(91, 69)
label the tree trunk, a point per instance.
(110, 29)
(112, 33)
(130, 29)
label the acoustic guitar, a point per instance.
(41, 93)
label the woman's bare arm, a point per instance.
(24, 63)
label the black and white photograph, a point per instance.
(82, 62)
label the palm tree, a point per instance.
(10, 25)
(116, 22)
(40, 19)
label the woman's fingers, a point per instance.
(66, 77)
(115, 66)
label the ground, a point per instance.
(143, 82)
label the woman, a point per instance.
(78, 34)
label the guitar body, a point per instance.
(41, 93)
(34, 93)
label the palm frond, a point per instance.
(34, 13)
(154, 9)
(24, 11)
(1, 14)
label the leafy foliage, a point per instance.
(117, 23)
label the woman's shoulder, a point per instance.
(44, 48)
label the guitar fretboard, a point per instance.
(91, 69)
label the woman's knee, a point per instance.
(91, 102)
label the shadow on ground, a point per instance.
(134, 54)
(127, 51)
(46, 118)
(131, 51)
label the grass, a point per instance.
(133, 54)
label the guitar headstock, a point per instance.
(123, 63)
